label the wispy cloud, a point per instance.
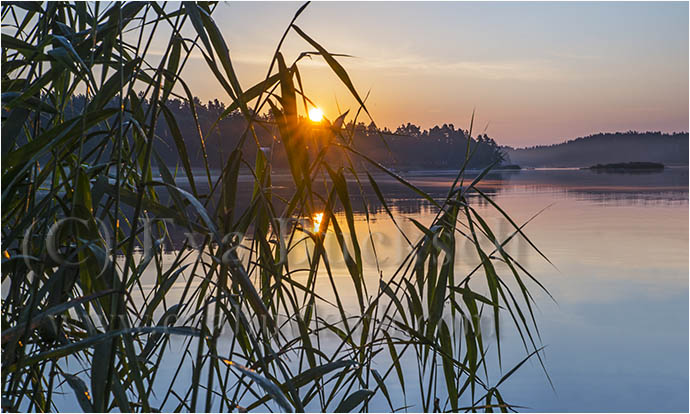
(534, 69)
(494, 70)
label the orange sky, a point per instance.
(535, 72)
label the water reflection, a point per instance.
(669, 186)
(317, 219)
(618, 336)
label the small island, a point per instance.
(509, 167)
(628, 166)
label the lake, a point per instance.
(617, 339)
(616, 336)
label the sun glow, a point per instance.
(315, 114)
(318, 217)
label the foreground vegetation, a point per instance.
(206, 330)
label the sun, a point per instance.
(316, 114)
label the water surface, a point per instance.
(617, 336)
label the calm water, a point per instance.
(617, 338)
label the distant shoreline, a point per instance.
(201, 174)
(606, 148)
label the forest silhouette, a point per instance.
(606, 148)
(409, 147)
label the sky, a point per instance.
(536, 73)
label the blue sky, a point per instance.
(535, 72)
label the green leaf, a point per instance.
(12, 333)
(353, 400)
(180, 146)
(316, 373)
(268, 386)
(448, 365)
(335, 66)
(95, 339)
(81, 392)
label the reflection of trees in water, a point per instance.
(413, 205)
(648, 198)
(664, 189)
(669, 187)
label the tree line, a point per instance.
(408, 147)
(604, 148)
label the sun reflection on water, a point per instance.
(317, 218)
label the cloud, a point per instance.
(494, 70)
(526, 70)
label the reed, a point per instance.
(208, 332)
